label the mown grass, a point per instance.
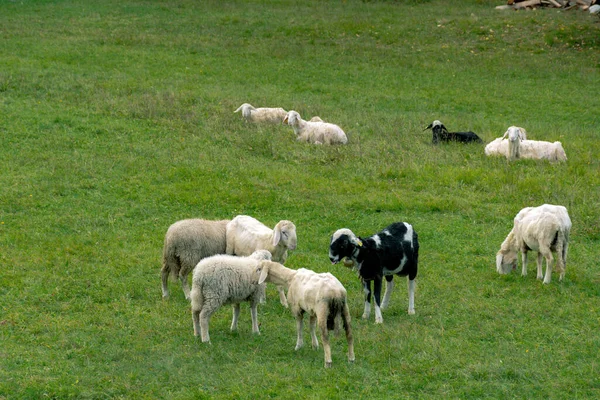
(116, 119)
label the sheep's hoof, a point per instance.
(328, 364)
(379, 321)
(351, 361)
(411, 312)
(365, 316)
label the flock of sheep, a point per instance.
(232, 259)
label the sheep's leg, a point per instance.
(204, 321)
(539, 260)
(313, 335)
(377, 295)
(185, 286)
(564, 259)
(325, 339)
(367, 311)
(389, 287)
(196, 319)
(164, 274)
(411, 296)
(549, 264)
(348, 329)
(299, 326)
(254, 315)
(282, 298)
(236, 315)
(524, 262)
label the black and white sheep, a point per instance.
(186, 243)
(262, 114)
(393, 251)
(225, 279)
(544, 229)
(441, 134)
(246, 234)
(322, 296)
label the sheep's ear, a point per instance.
(505, 134)
(499, 258)
(276, 234)
(285, 120)
(428, 127)
(263, 273)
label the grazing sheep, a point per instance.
(225, 279)
(393, 251)
(515, 136)
(246, 235)
(440, 133)
(322, 296)
(186, 243)
(315, 132)
(264, 114)
(544, 229)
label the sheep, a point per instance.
(246, 235)
(515, 136)
(264, 114)
(536, 150)
(315, 132)
(497, 147)
(544, 229)
(393, 251)
(322, 296)
(225, 279)
(186, 243)
(440, 133)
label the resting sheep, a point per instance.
(316, 132)
(263, 114)
(544, 229)
(537, 150)
(246, 235)
(393, 251)
(224, 279)
(186, 243)
(515, 136)
(322, 296)
(440, 133)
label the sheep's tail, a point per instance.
(561, 245)
(336, 308)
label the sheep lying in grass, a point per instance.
(441, 134)
(186, 243)
(246, 235)
(316, 132)
(497, 147)
(225, 279)
(536, 150)
(544, 229)
(322, 296)
(263, 114)
(393, 251)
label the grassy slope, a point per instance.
(116, 120)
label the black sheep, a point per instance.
(440, 133)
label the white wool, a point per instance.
(315, 132)
(262, 114)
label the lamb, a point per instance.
(315, 132)
(440, 133)
(225, 279)
(393, 251)
(322, 296)
(263, 114)
(544, 229)
(515, 136)
(246, 235)
(186, 243)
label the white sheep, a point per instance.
(515, 135)
(497, 147)
(538, 150)
(316, 118)
(225, 279)
(186, 243)
(246, 235)
(544, 229)
(322, 296)
(263, 114)
(315, 132)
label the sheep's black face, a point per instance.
(340, 248)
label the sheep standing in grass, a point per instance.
(322, 296)
(263, 114)
(246, 235)
(393, 251)
(224, 279)
(544, 229)
(186, 243)
(316, 132)
(441, 134)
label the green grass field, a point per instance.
(116, 120)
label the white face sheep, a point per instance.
(515, 136)
(224, 279)
(441, 134)
(315, 132)
(186, 243)
(393, 251)
(518, 146)
(246, 235)
(544, 229)
(322, 296)
(263, 114)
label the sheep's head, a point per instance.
(291, 118)
(343, 242)
(284, 233)
(435, 124)
(506, 261)
(265, 267)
